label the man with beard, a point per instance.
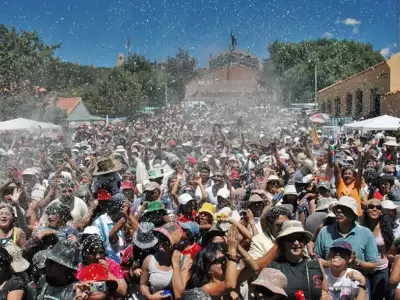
(67, 197)
(61, 266)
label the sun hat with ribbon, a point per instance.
(294, 227)
(144, 237)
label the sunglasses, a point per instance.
(218, 176)
(274, 182)
(372, 206)
(295, 237)
(219, 261)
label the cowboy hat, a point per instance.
(107, 165)
(65, 253)
(144, 237)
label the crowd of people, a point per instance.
(189, 204)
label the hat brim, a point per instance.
(209, 235)
(61, 262)
(323, 207)
(142, 245)
(342, 248)
(335, 207)
(308, 235)
(271, 287)
(117, 168)
(20, 266)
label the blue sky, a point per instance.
(95, 31)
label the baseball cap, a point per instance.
(126, 185)
(341, 245)
(151, 186)
(184, 198)
(224, 193)
(324, 184)
(193, 227)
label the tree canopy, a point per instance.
(29, 74)
(292, 65)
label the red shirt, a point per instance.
(113, 267)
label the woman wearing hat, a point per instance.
(93, 252)
(144, 243)
(158, 269)
(11, 286)
(302, 273)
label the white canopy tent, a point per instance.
(21, 124)
(384, 122)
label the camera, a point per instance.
(99, 286)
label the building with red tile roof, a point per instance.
(76, 109)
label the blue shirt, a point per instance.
(360, 238)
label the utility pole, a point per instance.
(166, 95)
(316, 84)
(129, 46)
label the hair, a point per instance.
(274, 214)
(348, 168)
(386, 178)
(90, 244)
(5, 260)
(59, 209)
(204, 167)
(200, 269)
(386, 225)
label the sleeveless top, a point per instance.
(11, 239)
(159, 280)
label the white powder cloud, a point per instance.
(328, 35)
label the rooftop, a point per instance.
(68, 104)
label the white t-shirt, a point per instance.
(210, 196)
(78, 213)
(341, 287)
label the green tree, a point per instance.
(24, 60)
(292, 65)
(182, 68)
(120, 94)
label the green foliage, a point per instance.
(181, 68)
(292, 65)
(120, 94)
(26, 63)
(23, 60)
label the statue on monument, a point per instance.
(233, 41)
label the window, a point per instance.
(349, 105)
(323, 107)
(359, 104)
(329, 107)
(337, 107)
(376, 102)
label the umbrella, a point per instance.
(319, 118)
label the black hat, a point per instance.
(65, 253)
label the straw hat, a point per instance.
(291, 227)
(107, 165)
